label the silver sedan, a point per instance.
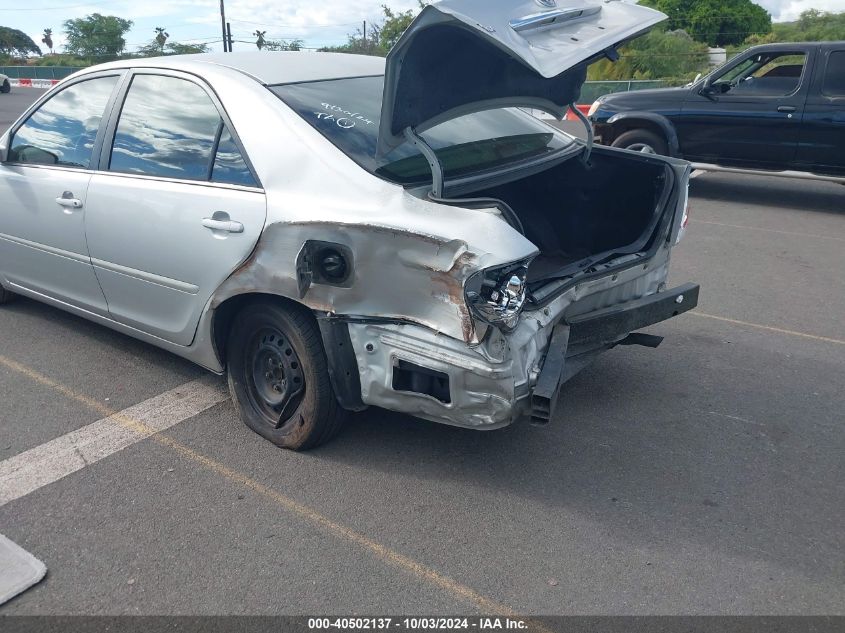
(337, 232)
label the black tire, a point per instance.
(276, 352)
(644, 141)
(6, 87)
(5, 296)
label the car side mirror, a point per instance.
(707, 90)
(4, 149)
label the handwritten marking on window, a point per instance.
(344, 119)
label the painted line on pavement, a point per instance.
(40, 466)
(381, 552)
(759, 228)
(769, 328)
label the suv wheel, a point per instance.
(279, 378)
(6, 87)
(644, 141)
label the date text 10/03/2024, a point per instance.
(417, 623)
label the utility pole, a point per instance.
(365, 32)
(223, 26)
(229, 36)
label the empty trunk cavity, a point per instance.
(578, 215)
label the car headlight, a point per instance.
(594, 107)
(497, 295)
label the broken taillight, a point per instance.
(497, 295)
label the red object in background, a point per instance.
(570, 115)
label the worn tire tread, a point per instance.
(327, 425)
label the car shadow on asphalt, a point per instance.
(644, 446)
(785, 193)
(64, 326)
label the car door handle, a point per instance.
(68, 201)
(786, 108)
(230, 226)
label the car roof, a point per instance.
(781, 45)
(267, 67)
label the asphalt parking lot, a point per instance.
(705, 477)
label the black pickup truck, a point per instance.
(777, 107)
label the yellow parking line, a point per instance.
(769, 328)
(760, 228)
(382, 552)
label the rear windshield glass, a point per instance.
(347, 112)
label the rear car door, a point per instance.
(43, 191)
(822, 146)
(751, 114)
(176, 207)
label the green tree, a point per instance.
(716, 22)
(811, 26)
(358, 44)
(97, 36)
(394, 25)
(16, 43)
(283, 45)
(48, 39)
(380, 36)
(161, 37)
(154, 49)
(655, 55)
(260, 42)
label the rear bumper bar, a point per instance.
(575, 341)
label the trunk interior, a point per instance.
(574, 213)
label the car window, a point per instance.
(347, 112)
(167, 127)
(229, 165)
(834, 78)
(770, 74)
(62, 131)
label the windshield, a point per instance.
(347, 112)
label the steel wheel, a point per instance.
(278, 382)
(279, 376)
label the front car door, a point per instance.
(822, 146)
(176, 207)
(749, 113)
(43, 189)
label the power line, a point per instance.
(294, 26)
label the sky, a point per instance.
(317, 22)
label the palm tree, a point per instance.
(260, 41)
(161, 37)
(48, 38)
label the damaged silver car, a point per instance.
(337, 232)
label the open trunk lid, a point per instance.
(463, 56)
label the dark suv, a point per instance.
(777, 107)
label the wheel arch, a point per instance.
(340, 355)
(626, 121)
(224, 314)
